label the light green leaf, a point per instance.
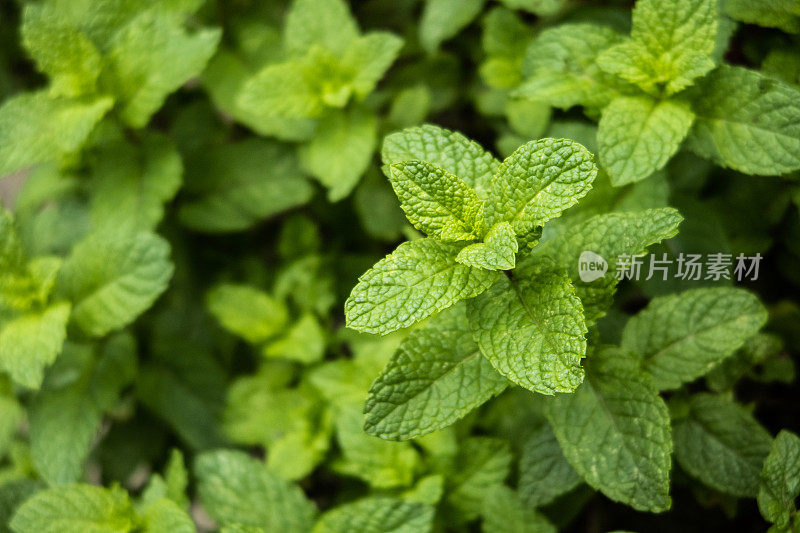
(341, 150)
(544, 473)
(783, 14)
(377, 514)
(780, 480)
(246, 311)
(165, 516)
(482, 464)
(436, 377)
(31, 342)
(560, 67)
(286, 90)
(75, 509)
(747, 122)
(416, 280)
(532, 331)
(37, 128)
(638, 135)
(442, 19)
(11, 415)
(138, 56)
(303, 342)
(496, 252)
(445, 149)
(111, 278)
(437, 202)
(615, 431)
(370, 56)
(505, 38)
(681, 337)
(504, 511)
(721, 444)
(538, 181)
(324, 23)
(237, 489)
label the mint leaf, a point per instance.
(416, 280)
(538, 181)
(503, 511)
(638, 135)
(436, 377)
(437, 202)
(75, 509)
(442, 19)
(680, 337)
(303, 342)
(721, 444)
(238, 490)
(111, 278)
(544, 473)
(324, 23)
(443, 148)
(505, 38)
(747, 122)
(370, 56)
(37, 128)
(615, 431)
(165, 516)
(783, 14)
(532, 331)
(780, 480)
(246, 311)
(377, 514)
(286, 90)
(482, 464)
(496, 252)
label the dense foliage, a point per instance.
(399, 265)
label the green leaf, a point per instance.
(505, 38)
(532, 331)
(747, 122)
(482, 464)
(165, 516)
(445, 149)
(303, 342)
(496, 252)
(638, 135)
(111, 278)
(238, 490)
(538, 181)
(246, 311)
(370, 56)
(416, 280)
(721, 444)
(11, 415)
(437, 202)
(138, 56)
(671, 44)
(341, 150)
(780, 480)
(288, 90)
(232, 187)
(324, 23)
(504, 511)
(75, 509)
(442, 19)
(560, 67)
(615, 431)
(377, 514)
(37, 128)
(31, 342)
(436, 377)
(783, 14)
(681, 337)
(544, 473)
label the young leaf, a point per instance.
(377, 514)
(416, 280)
(747, 122)
(544, 473)
(720, 443)
(538, 181)
(783, 14)
(496, 252)
(442, 19)
(445, 149)
(532, 331)
(504, 511)
(780, 480)
(680, 337)
(238, 490)
(370, 56)
(437, 202)
(287, 90)
(437, 376)
(324, 23)
(248, 312)
(638, 135)
(615, 431)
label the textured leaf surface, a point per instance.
(615, 431)
(237, 489)
(416, 280)
(721, 444)
(544, 473)
(442, 19)
(538, 181)
(436, 377)
(496, 252)
(637, 136)
(681, 337)
(747, 122)
(780, 479)
(532, 331)
(443, 148)
(377, 515)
